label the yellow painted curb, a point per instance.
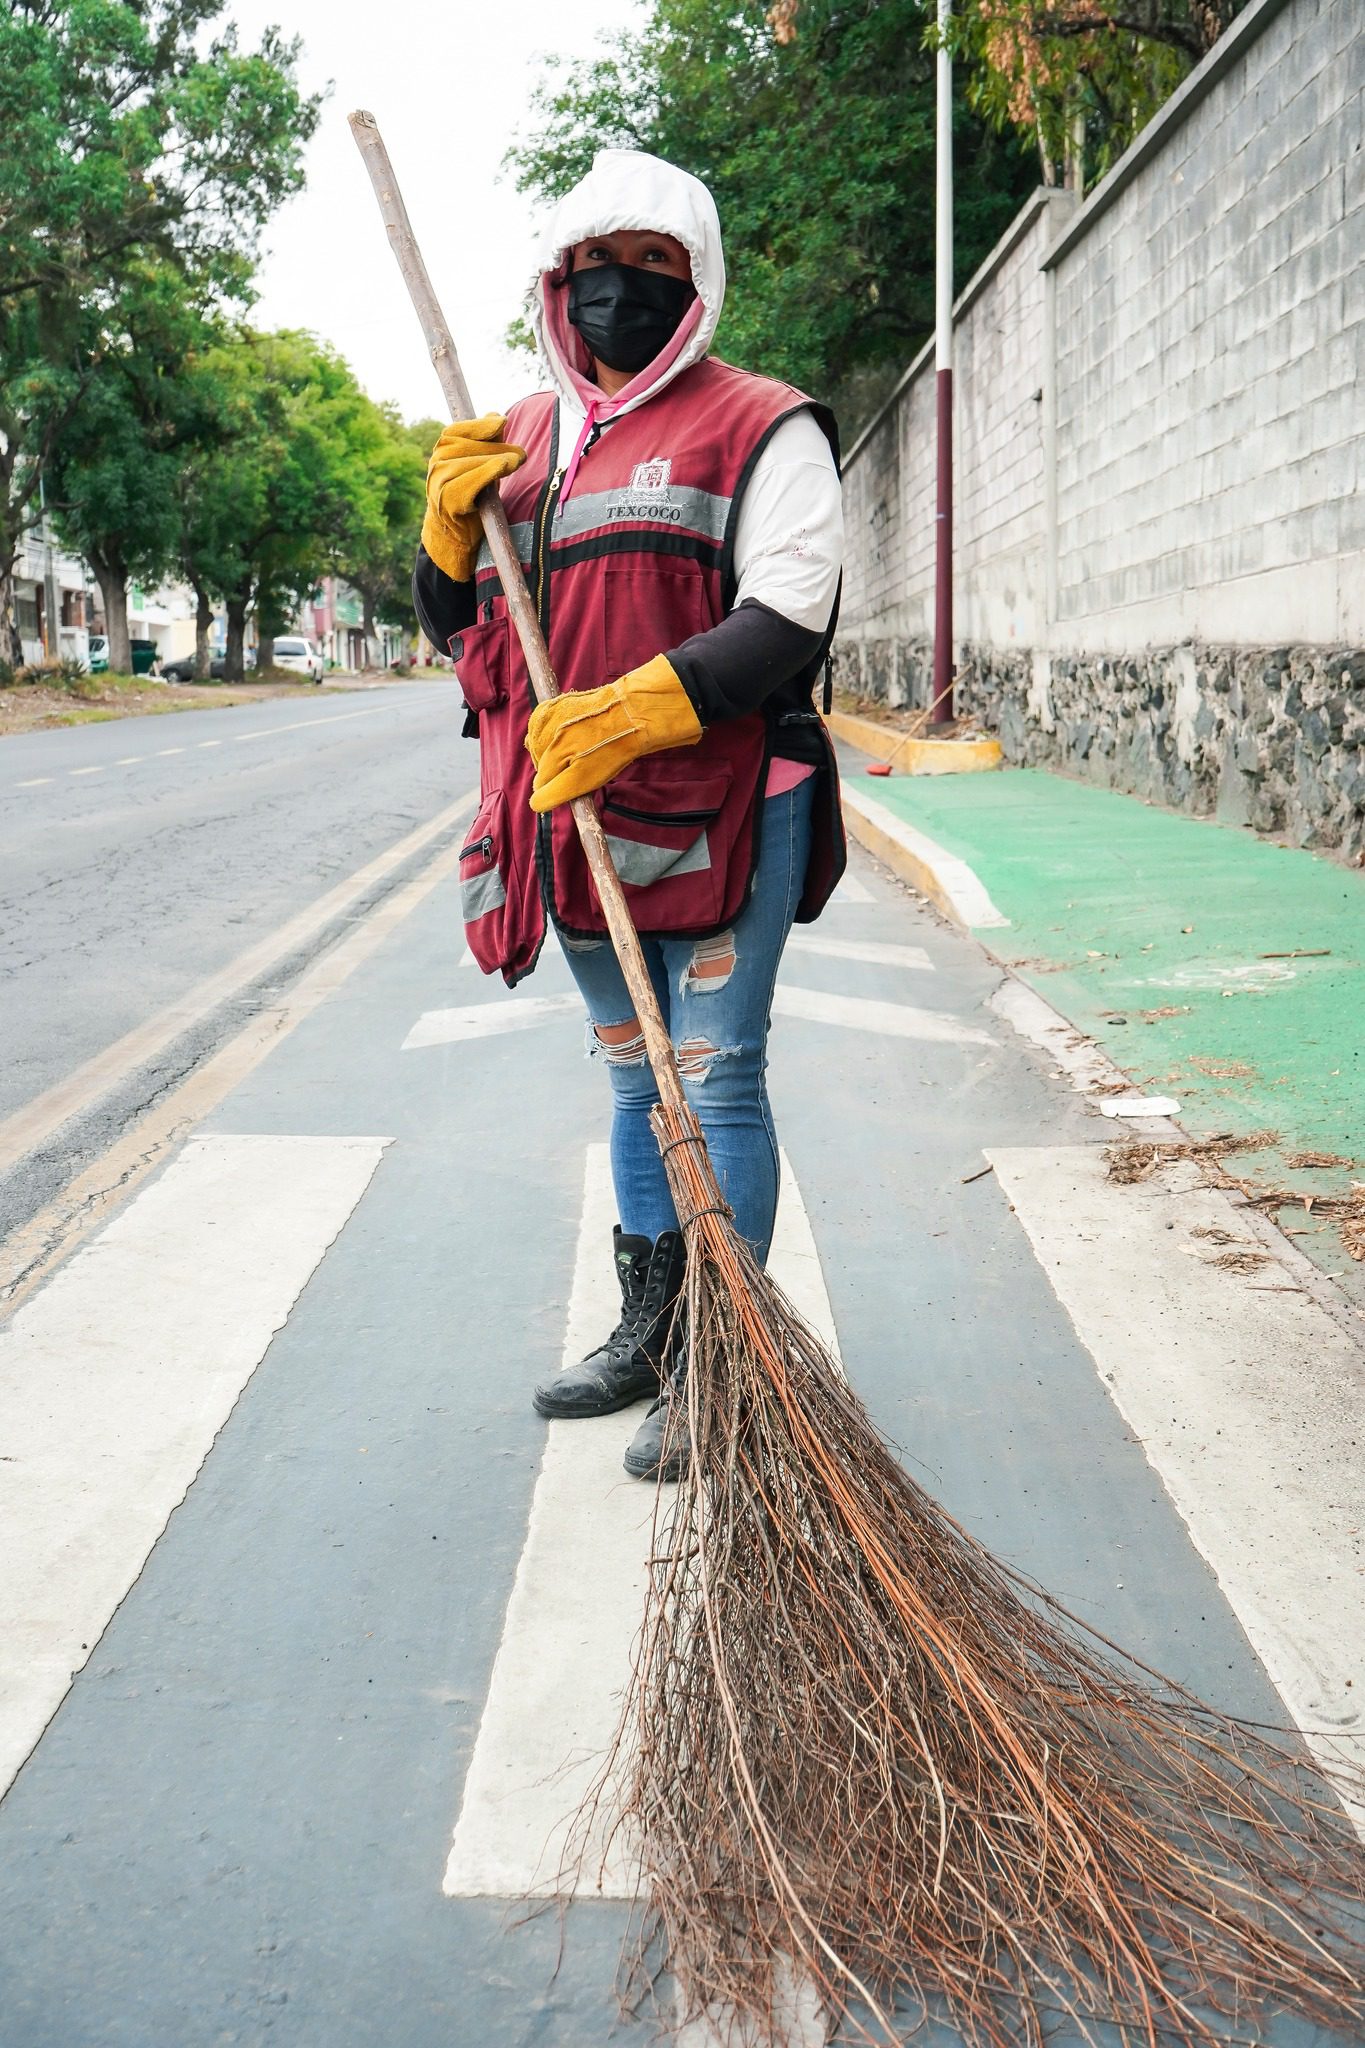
(950, 884)
(911, 866)
(914, 756)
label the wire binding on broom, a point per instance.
(860, 1754)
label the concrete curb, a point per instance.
(951, 886)
(915, 756)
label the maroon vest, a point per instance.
(635, 560)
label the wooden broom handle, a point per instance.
(498, 534)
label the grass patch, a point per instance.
(54, 701)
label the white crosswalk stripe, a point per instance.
(576, 1605)
(1245, 1395)
(874, 952)
(864, 1013)
(812, 1006)
(117, 1376)
(852, 889)
(487, 1020)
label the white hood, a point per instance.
(628, 189)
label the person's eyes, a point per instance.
(599, 253)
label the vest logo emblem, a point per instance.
(652, 475)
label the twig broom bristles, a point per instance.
(860, 1754)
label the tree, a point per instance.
(115, 465)
(220, 408)
(129, 135)
(376, 555)
(268, 504)
(814, 127)
(1083, 77)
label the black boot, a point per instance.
(629, 1365)
(661, 1447)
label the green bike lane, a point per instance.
(1211, 965)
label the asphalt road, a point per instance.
(307, 1618)
(139, 856)
(283, 1512)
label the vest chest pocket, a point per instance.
(483, 663)
(649, 604)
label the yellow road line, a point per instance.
(32, 1252)
(27, 1128)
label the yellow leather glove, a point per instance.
(469, 454)
(585, 737)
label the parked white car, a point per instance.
(301, 656)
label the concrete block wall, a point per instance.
(1209, 419)
(1160, 455)
(890, 484)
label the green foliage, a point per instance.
(814, 128)
(134, 143)
(127, 130)
(295, 474)
(375, 554)
(1080, 77)
(267, 498)
(72, 677)
(115, 462)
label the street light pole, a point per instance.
(52, 634)
(942, 700)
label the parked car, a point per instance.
(182, 671)
(99, 654)
(300, 655)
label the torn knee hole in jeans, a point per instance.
(711, 965)
(696, 1056)
(621, 1045)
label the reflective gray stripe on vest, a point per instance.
(638, 863)
(521, 541)
(480, 894)
(677, 507)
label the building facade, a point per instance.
(55, 600)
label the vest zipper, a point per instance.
(540, 553)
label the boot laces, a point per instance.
(634, 1303)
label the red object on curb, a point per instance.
(878, 768)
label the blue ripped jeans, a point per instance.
(716, 996)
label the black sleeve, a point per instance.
(738, 664)
(443, 606)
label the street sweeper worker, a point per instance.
(680, 524)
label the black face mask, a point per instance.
(625, 314)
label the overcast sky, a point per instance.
(449, 82)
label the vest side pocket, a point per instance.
(658, 828)
(485, 883)
(483, 662)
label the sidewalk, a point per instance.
(1210, 965)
